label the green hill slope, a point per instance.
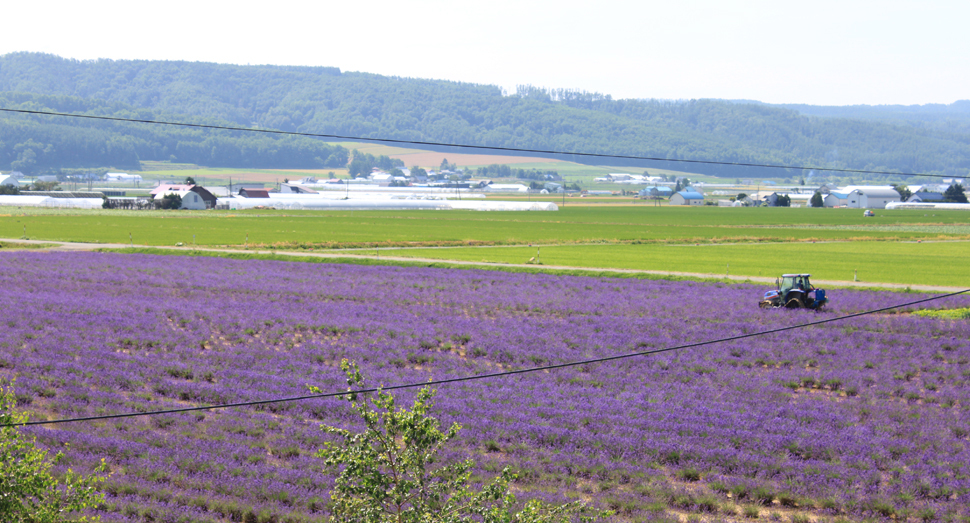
(326, 100)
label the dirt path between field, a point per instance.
(77, 246)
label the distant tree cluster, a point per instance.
(903, 190)
(39, 145)
(504, 171)
(446, 166)
(363, 164)
(955, 194)
(495, 170)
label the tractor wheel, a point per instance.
(764, 304)
(794, 303)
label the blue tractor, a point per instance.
(795, 291)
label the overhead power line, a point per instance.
(483, 376)
(466, 146)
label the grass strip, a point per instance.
(537, 269)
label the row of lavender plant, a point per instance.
(865, 417)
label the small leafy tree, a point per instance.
(817, 200)
(46, 186)
(171, 201)
(955, 194)
(903, 190)
(390, 472)
(783, 201)
(9, 189)
(29, 493)
(189, 180)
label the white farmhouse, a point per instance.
(190, 200)
(687, 197)
(122, 177)
(506, 187)
(877, 197)
(840, 199)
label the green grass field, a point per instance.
(753, 241)
(576, 223)
(884, 262)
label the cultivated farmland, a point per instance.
(861, 419)
(743, 242)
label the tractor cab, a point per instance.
(796, 282)
(794, 292)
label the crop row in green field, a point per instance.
(571, 225)
(928, 263)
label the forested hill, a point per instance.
(326, 100)
(952, 118)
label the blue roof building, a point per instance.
(687, 197)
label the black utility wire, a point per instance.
(484, 376)
(478, 147)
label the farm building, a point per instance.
(876, 197)
(925, 197)
(219, 191)
(122, 177)
(506, 187)
(190, 200)
(619, 177)
(65, 194)
(254, 193)
(207, 197)
(7, 179)
(295, 188)
(923, 205)
(205, 194)
(840, 199)
(687, 197)
(163, 188)
(862, 197)
(47, 201)
(769, 199)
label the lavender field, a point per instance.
(868, 418)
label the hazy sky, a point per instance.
(822, 52)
